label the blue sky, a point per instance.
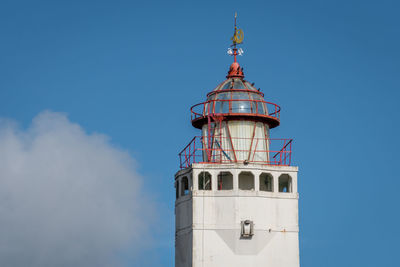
(131, 70)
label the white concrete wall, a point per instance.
(208, 222)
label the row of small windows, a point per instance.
(246, 182)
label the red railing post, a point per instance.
(185, 159)
(194, 150)
(284, 161)
(279, 114)
(188, 155)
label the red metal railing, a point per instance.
(235, 107)
(262, 151)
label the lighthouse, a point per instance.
(236, 190)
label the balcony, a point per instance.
(219, 150)
(258, 110)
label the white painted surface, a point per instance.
(208, 222)
(249, 141)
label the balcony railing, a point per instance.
(217, 150)
(236, 107)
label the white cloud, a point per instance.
(66, 198)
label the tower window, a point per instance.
(177, 189)
(191, 181)
(285, 183)
(204, 181)
(266, 182)
(246, 181)
(184, 186)
(225, 181)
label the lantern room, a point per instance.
(236, 99)
(235, 122)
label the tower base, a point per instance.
(237, 215)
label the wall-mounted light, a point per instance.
(247, 228)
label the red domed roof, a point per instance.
(235, 71)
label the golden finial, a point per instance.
(238, 35)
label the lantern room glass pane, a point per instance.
(253, 107)
(222, 106)
(261, 108)
(227, 85)
(241, 106)
(256, 96)
(240, 95)
(258, 107)
(250, 87)
(223, 96)
(238, 84)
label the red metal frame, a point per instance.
(216, 92)
(194, 153)
(195, 114)
(201, 111)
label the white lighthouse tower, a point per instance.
(236, 193)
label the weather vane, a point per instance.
(238, 35)
(237, 38)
